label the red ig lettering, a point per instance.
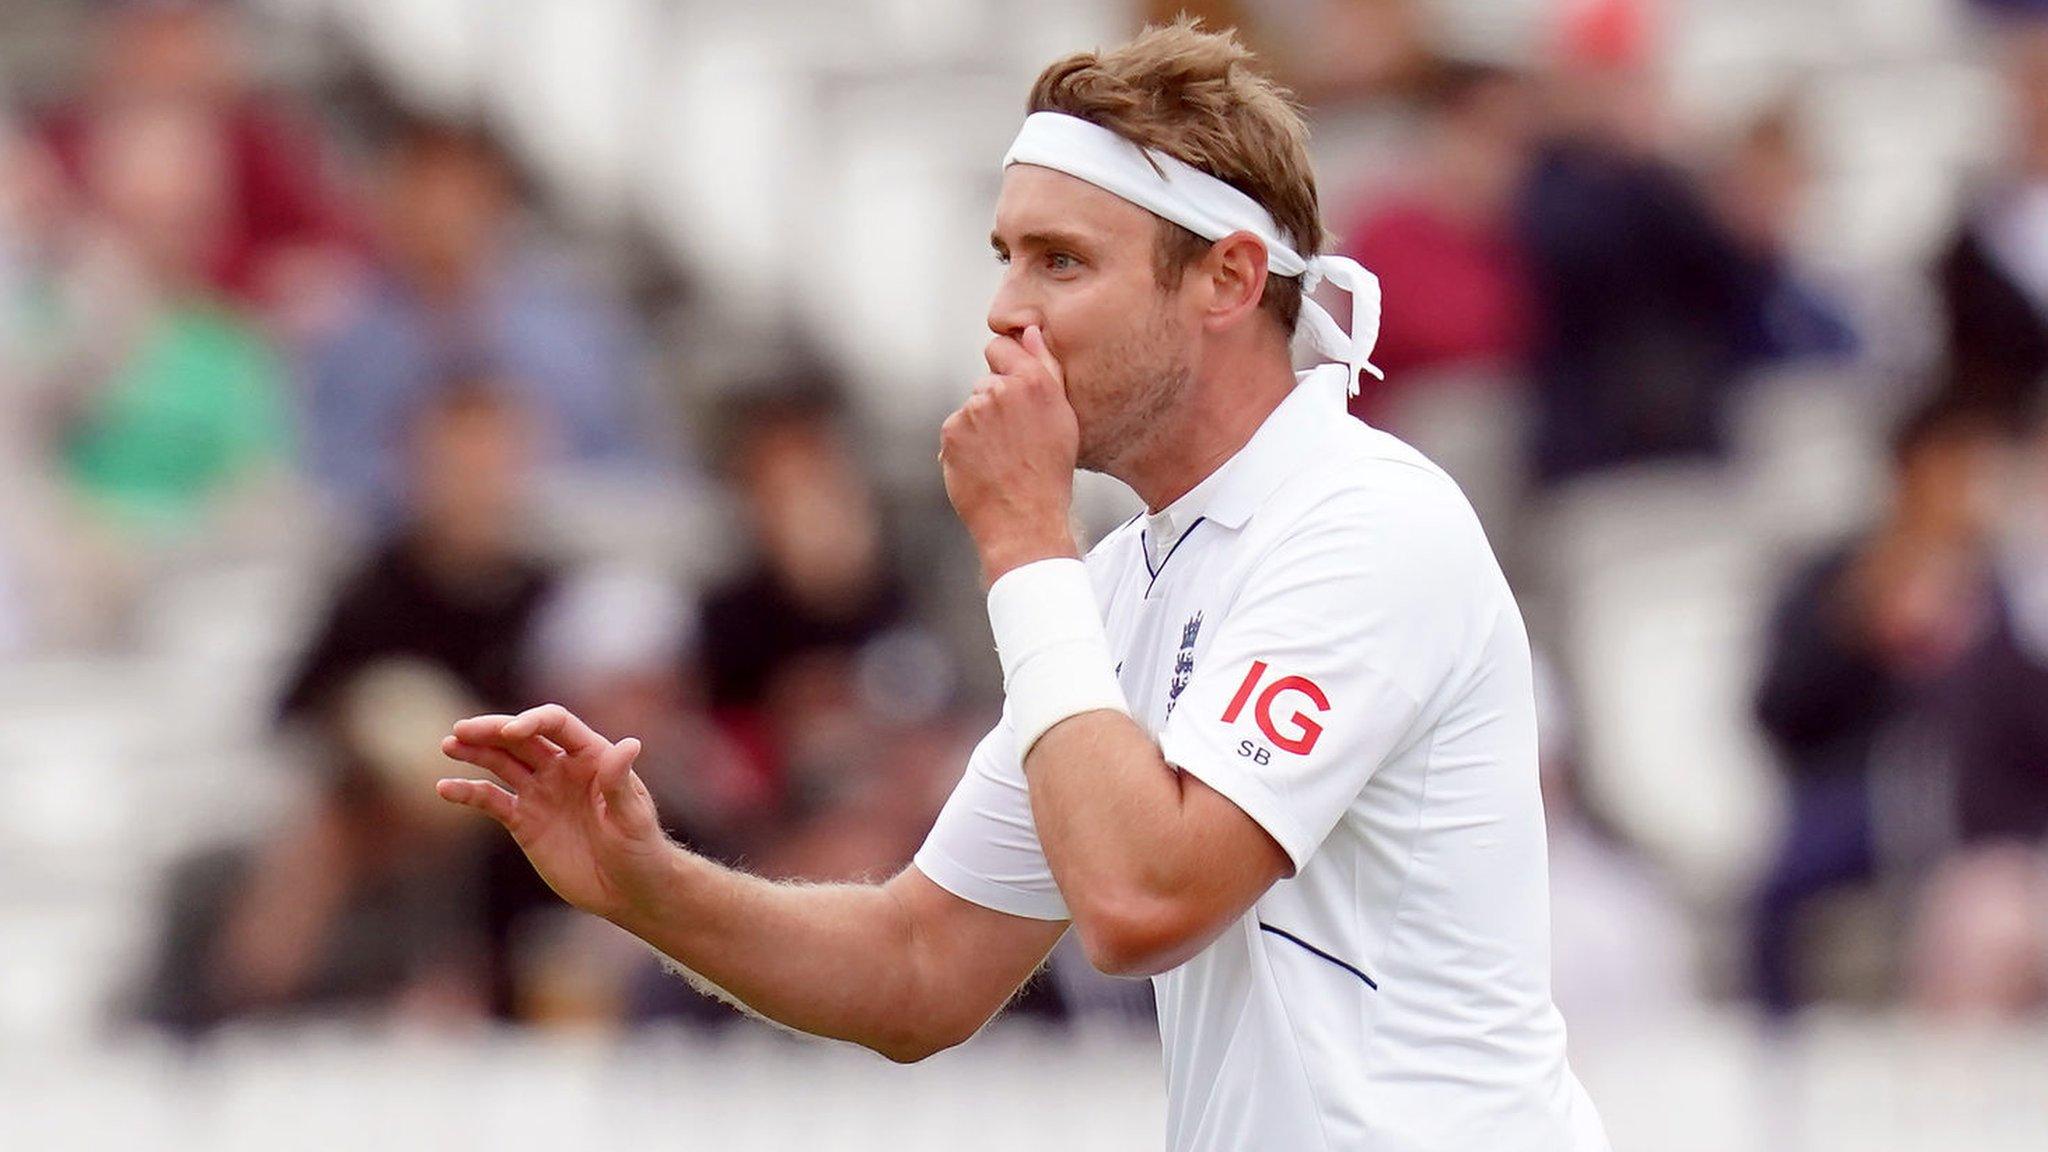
(1306, 731)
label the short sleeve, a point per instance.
(1321, 671)
(984, 847)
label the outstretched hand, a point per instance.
(570, 799)
(1008, 455)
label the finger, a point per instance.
(558, 724)
(1035, 345)
(478, 729)
(997, 353)
(481, 795)
(615, 767)
(496, 761)
(1007, 357)
(534, 753)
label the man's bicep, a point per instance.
(970, 959)
(1235, 858)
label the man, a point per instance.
(458, 284)
(1860, 659)
(1274, 745)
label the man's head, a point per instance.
(2022, 53)
(809, 502)
(159, 173)
(472, 447)
(1944, 459)
(447, 193)
(1127, 300)
(176, 51)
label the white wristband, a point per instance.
(1055, 655)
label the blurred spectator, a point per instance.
(146, 418)
(280, 225)
(1443, 244)
(381, 897)
(1456, 332)
(1759, 191)
(461, 288)
(816, 658)
(1457, 324)
(1650, 306)
(170, 396)
(2002, 711)
(1983, 939)
(783, 640)
(453, 586)
(1858, 643)
(1993, 277)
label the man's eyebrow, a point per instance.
(1046, 238)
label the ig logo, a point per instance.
(1303, 731)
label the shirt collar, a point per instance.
(1231, 493)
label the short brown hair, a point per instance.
(1196, 96)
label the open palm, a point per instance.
(570, 799)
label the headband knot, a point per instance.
(1210, 208)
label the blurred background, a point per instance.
(366, 363)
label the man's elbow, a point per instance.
(1135, 937)
(908, 1050)
(912, 1044)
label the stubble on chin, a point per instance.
(1132, 401)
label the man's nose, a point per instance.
(1011, 311)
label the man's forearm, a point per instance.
(832, 960)
(1106, 803)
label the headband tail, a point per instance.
(1353, 349)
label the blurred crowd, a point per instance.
(234, 326)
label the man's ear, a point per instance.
(1236, 269)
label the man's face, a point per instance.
(814, 513)
(161, 172)
(444, 209)
(469, 476)
(1080, 264)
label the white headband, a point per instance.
(1211, 209)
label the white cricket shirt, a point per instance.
(1320, 632)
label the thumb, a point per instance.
(1034, 343)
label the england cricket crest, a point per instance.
(1184, 660)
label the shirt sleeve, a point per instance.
(984, 847)
(1326, 665)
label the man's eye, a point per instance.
(1002, 257)
(1061, 262)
